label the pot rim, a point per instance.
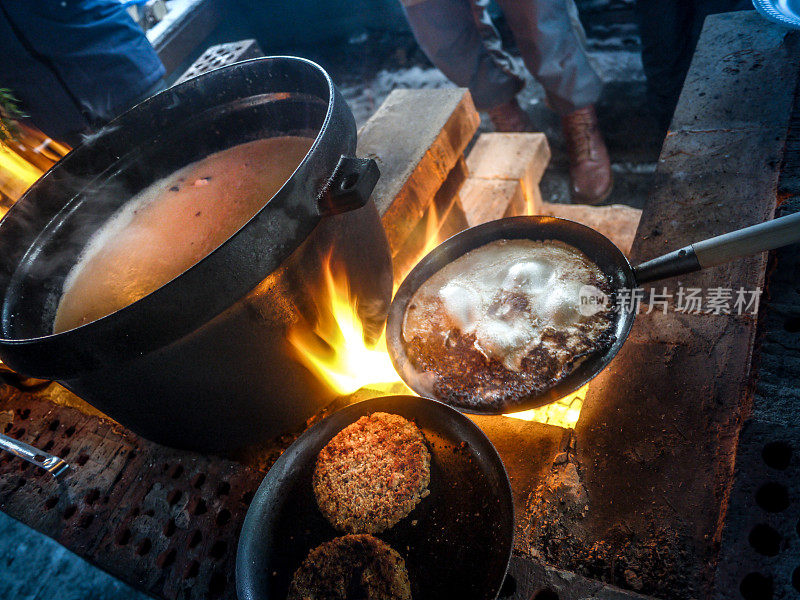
(74, 340)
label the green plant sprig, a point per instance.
(9, 113)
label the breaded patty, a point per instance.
(372, 473)
(351, 567)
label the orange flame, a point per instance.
(23, 160)
(337, 353)
(530, 201)
(16, 175)
(564, 412)
(433, 237)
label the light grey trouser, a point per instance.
(459, 38)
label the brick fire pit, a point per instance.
(631, 503)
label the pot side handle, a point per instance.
(721, 249)
(350, 186)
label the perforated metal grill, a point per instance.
(759, 557)
(221, 56)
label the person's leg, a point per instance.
(664, 28)
(551, 40)
(459, 39)
(553, 50)
(669, 33)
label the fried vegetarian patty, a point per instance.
(351, 567)
(372, 473)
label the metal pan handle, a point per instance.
(52, 464)
(721, 249)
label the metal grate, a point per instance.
(759, 558)
(166, 519)
(221, 56)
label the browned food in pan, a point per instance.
(352, 566)
(507, 321)
(372, 473)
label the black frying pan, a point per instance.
(620, 274)
(459, 546)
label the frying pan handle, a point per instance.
(350, 186)
(721, 249)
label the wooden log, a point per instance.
(416, 136)
(505, 170)
(617, 222)
(444, 218)
(447, 202)
(511, 156)
(486, 200)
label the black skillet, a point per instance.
(621, 275)
(456, 542)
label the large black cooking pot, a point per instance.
(203, 362)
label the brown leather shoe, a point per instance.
(589, 165)
(509, 117)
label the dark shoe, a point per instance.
(509, 117)
(589, 165)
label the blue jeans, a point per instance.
(459, 38)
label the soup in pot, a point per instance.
(172, 224)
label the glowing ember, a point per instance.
(562, 413)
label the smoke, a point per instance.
(89, 138)
(42, 238)
(46, 232)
